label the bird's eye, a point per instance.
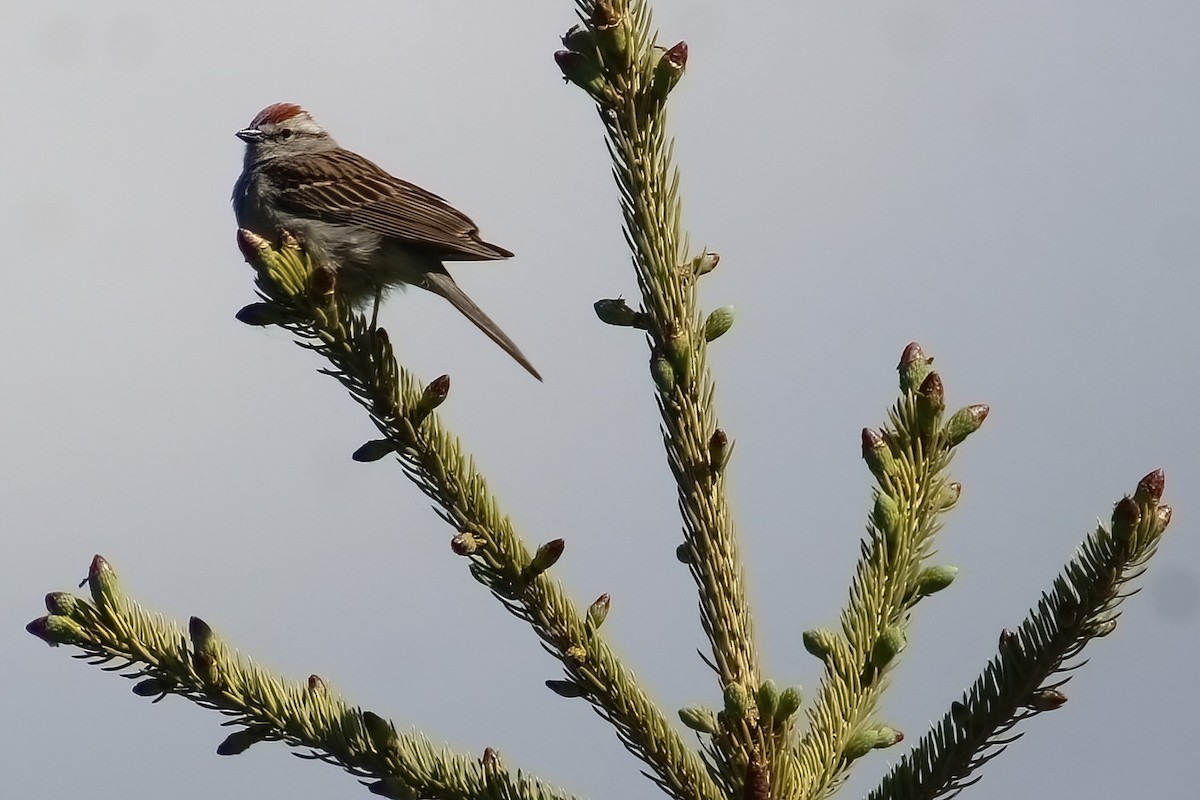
(285, 134)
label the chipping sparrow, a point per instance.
(371, 229)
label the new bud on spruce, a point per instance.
(913, 367)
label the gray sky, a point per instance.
(1013, 184)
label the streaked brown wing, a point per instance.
(349, 189)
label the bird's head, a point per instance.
(283, 129)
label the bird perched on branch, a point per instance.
(373, 230)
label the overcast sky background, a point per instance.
(1014, 184)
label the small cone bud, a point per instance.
(261, 315)
(576, 654)
(1125, 518)
(383, 736)
(63, 603)
(253, 246)
(612, 32)
(719, 321)
(959, 714)
(820, 642)
(373, 451)
(683, 553)
(1104, 628)
(240, 741)
(668, 71)
(789, 703)
(947, 496)
(737, 701)
(887, 736)
(887, 518)
(934, 579)
(598, 611)
(55, 630)
(679, 352)
(964, 422)
(204, 649)
(705, 263)
(663, 374)
(584, 72)
(546, 557)
(568, 689)
(1010, 640)
(464, 543)
(102, 582)
(579, 39)
(316, 685)
(877, 453)
(931, 402)
(768, 701)
(859, 744)
(1046, 700)
(699, 718)
(1150, 488)
(617, 312)
(431, 397)
(914, 366)
(889, 645)
(718, 450)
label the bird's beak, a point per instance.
(249, 135)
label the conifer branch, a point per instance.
(614, 56)
(304, 301)
(114, 631)
(1026, 676)
(909, 460)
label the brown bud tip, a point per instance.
(199, 632)
(1009, 639)
(1150, 488)
(604, 15)
(932, 387)
(316, 684)
(598, 610)
(546, 556)
(40, 628)
(569, 62)
(251, 244)
(911, 355)
(464, 543)
(678, 54)
(1046, 700)
(435, 393)
(490, 757)
(871, 439)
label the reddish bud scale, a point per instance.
(598, 611)
(1150, 488)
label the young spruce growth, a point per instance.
(753, 741)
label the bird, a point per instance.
(373, 230)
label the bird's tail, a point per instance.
(440, 283)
